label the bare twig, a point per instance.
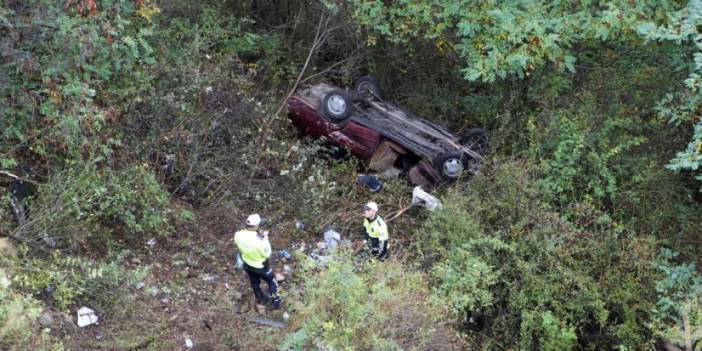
(8, 174)
(319, 37)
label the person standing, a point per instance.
(376, 231)
(255, 250)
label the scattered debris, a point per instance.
(210, 278)
(321, 260)
(267, 322)
(300, 225)
(429, 201)
(371, 182)
(284, 255)
(332, 238)
(189, 343)
(151, 242)
(48, 240)
(239, 261)
(86, 317)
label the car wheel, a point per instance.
(336, 105)
(367, 87)
(476, 140)
(451, 165)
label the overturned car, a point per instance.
(394, 140)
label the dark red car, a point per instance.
(393, 139)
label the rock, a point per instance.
(332, 238)
(267, 322)
(86, 317)
(47, 319)
(6, 247)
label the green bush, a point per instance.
(17, 313)
(351, 305)
(507, 262)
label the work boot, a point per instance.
(277, 303)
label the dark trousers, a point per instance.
(255, 276)
(379, 249)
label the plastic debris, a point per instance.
(420, 196)
(332, 238)
(286, 316)
(371, 182)
(189, 343)
(48, 240)
(151, 242)
(239, 262)
(287, 270)
(284, 254)
(300, 225)
(86, 317)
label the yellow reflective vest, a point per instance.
(254, 249)
(376, 228)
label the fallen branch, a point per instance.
(8, 174)
(399, 212)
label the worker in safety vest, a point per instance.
(255, 250)
(376, 231)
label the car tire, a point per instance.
(336, 105)
(367, 87)
(475, 139)
(451, 165)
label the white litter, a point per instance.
(86, 317)
(420, 196)
(151, 242)
(189, 343)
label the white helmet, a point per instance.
(253, 220)
(371, 205)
